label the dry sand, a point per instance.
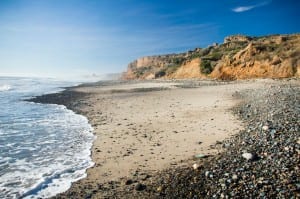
(149, 129)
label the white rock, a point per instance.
(234, 177)
(265, 128)
(286, 148)
(248, 156)
(196, 166)
(206, 173)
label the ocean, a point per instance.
(43, 147)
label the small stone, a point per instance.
(196, 166)
(226, 145)
(234, 177)
(218, 142)
(250, 156)
(247, 156)
(265, 128)
(273, 132)
(128, 182)
(159, 189)
(139, 187)
(206, 173)
(286, 148)
(201, 156)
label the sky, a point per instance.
(68, 38)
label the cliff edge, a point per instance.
(239, 57)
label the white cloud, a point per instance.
(242, 8)
(246, 8)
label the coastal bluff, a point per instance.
(239, 57)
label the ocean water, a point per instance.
(43, 147)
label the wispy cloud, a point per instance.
(242, 8)
(250, 7)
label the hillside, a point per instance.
(239, 57)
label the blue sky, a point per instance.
(63, 38)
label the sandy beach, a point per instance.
(144, 128)
(142, 132)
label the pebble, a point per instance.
(272, 158)
(206, 173)
(248, 156)
(196, 166)
(159, 189)
(201, 156)
(128, 182)
(139, 187)
(265, 128)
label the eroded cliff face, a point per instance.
(189, 69)
(239, 57)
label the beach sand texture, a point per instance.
(148, 131)
(145, 127)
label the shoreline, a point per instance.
(75, 99)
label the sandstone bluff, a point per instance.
(239, 57)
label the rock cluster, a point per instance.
(260, 162)
(237, 38)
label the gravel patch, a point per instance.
(262, 161)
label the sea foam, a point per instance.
(5, 87)
(43, 147)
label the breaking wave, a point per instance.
(5, 87)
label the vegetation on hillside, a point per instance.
(236, 51)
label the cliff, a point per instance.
(239, 57)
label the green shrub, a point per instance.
(205, 67)
(171, 69)
(195, 55)
(178, 60)
(141, 71)
(205, 51)
(215, 56)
